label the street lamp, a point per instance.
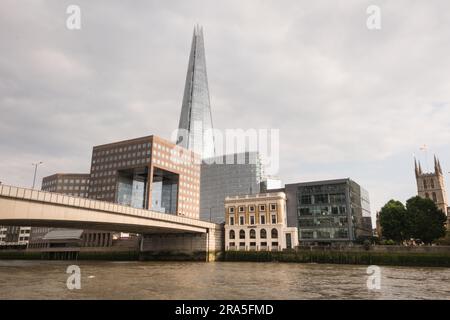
(210, 212)
(35, 171)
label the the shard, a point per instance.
(195, 126)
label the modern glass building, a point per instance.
(225, 176)
(327, 212)
(195, 126)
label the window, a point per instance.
(274, 233)
(231, 221)
(241, 220)
(241, 244)
(427, 195)
(232, 235)
(273, 207)
(242, 234)
(263, 244)
(275, 244)
(241, 209)
(304, 212)
(231, 209)
(251, 208)
(263, 234)
(306, 199)
(252, 220)
(274, 219)
(262, 207)
(252, 244)
(262, 219)
(252, 234)
(432, 183)
(424, 184)
(307, 234)
(434, 197)
(321, 198)
(232, 244)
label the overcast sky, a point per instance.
(349, 102)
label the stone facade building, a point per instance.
(258, 222)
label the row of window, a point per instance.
(121, 149)
(134, 155)
(322, 211)
(322, 198)
(251, 208)
(252, 218)
(253, 244)
(323, 222)
(252, 234)
(65, 181)
(325, 234)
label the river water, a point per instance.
(219, 280)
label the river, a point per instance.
(219, 280)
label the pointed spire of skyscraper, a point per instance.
(195, 126)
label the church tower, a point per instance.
(430, 185)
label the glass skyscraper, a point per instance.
(195, 126)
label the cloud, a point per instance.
(348, 101)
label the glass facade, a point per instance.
(330, 211)
(224, 177)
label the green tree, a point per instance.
(427, 221)
(394, 221)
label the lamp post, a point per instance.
(35, 171)
(210, 212)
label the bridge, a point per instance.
(161, 232)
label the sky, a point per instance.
(348, 101)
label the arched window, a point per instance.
(252, 234)
(424, 184)
(232, 234)
(432, 183)
(434, 197)
(274, 233)
(263, 234)
(427, 195)
(242, 234)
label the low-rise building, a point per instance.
(14, 237)
(258, 222)
(329, 212)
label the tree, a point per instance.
(394, 221)
(427, 220)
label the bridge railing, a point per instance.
(85, 203)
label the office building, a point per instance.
(195, 126)
(329, 212)
(72, 184)
(148, 172)
(14, 237)
(229, 175)
(258, 223)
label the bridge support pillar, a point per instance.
(183, 246)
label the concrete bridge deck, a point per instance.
(27, 207)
